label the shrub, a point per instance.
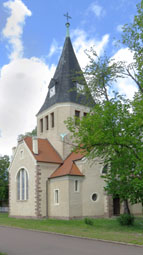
(88, 221)
(126, 219)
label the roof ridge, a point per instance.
(71, 166)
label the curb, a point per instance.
(72, 236)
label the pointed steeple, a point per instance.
(63, 86)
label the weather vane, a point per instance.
(67, 16)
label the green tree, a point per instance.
(32, 133)
(4, 164)
(132, 37)
(113, 130)
(109, 132)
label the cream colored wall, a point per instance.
(92, 183)
(70, 202)
(75, 197)
(61, 113)
(46, 170)
(17, 207)
(62, 209)
(134, 209)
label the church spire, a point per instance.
(68, 75)
(67, 24)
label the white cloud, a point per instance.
(23, 82)
(54, 48)
(97, 9)
(14, 26)
(124, 54)
(23, 85)
(119, 28)
(125, 86)
(81, 42)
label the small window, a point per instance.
(77, 116)
(21, 154)
(56, 196)
(41, 125)
(85, 114)
(94, 197)
(105, 169)
(52, 120)
(76, 186)
(47, 122)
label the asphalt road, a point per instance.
(26, 242)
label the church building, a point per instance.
(46, 179)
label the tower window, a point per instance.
(77, 113)
(47, 122)
(41, 125)
(52, 120)
(77, 116)
(105, 169)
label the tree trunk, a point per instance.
(126, 207)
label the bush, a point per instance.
(88, 221)
(126, 219)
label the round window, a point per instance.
(94, 197)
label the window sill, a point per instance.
(22, 200)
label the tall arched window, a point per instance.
(22, 185)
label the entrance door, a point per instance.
(116, 206)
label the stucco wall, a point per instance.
(92, 183)
(17, 207)
(60, 210)
(46, 169)
(75, 202)
(135, 209)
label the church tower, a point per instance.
(64, 99)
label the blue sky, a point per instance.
(32, 34)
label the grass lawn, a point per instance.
(107, 229)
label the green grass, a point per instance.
(1, 253)
(107, 229)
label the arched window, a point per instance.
(22, 185)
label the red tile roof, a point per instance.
(69, 167)
(46, 152)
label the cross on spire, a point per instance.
(67, 16)
(67, 24)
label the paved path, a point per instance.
(26, 242)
